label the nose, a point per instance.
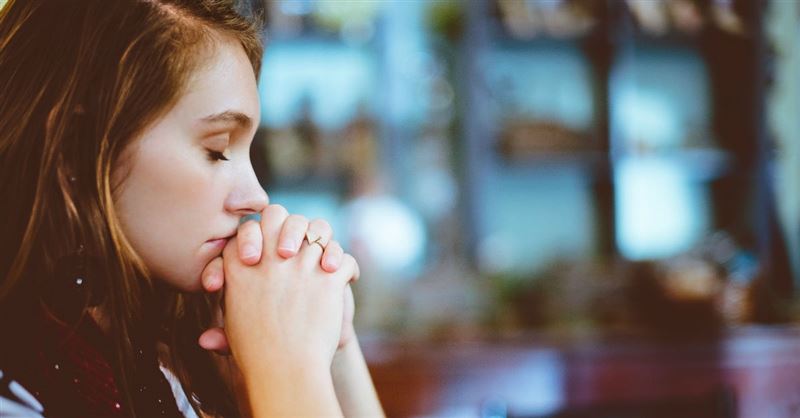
(247, 195)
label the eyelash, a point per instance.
(216, 156)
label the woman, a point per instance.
(125, 177)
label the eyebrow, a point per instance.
(229, 116)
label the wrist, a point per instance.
(277, 366)
(347, 360)
(282, 389)
(345, 352)
(353, 384)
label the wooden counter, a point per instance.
(748, 373)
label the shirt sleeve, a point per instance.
(184, 406)
(16, 401)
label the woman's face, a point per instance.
(187, 180)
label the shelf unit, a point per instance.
(733, 168)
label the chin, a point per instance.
(190, 282)
(192, 287)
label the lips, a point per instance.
(227, 236)
(218, 243)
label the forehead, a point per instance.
(222, 88)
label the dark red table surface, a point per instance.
(536, 375)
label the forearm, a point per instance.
(284, 391)
(353, 384)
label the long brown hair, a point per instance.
(79, 80)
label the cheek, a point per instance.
(166, 206)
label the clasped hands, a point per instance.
(281, 291)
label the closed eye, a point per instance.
(216, 156)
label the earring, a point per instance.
(73, 285)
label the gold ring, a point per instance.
(317, 241)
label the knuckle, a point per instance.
(321, 225)
(250, 230)
(247, 237)
(207, 271)
(277, 210)
(297, 220)
(334, 246)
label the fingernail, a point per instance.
(332, 263)
(249, 251)
(214, 281)
(291, 246)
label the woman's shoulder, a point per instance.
(23, 342)
(19, 375)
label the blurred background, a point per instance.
(560, 207)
